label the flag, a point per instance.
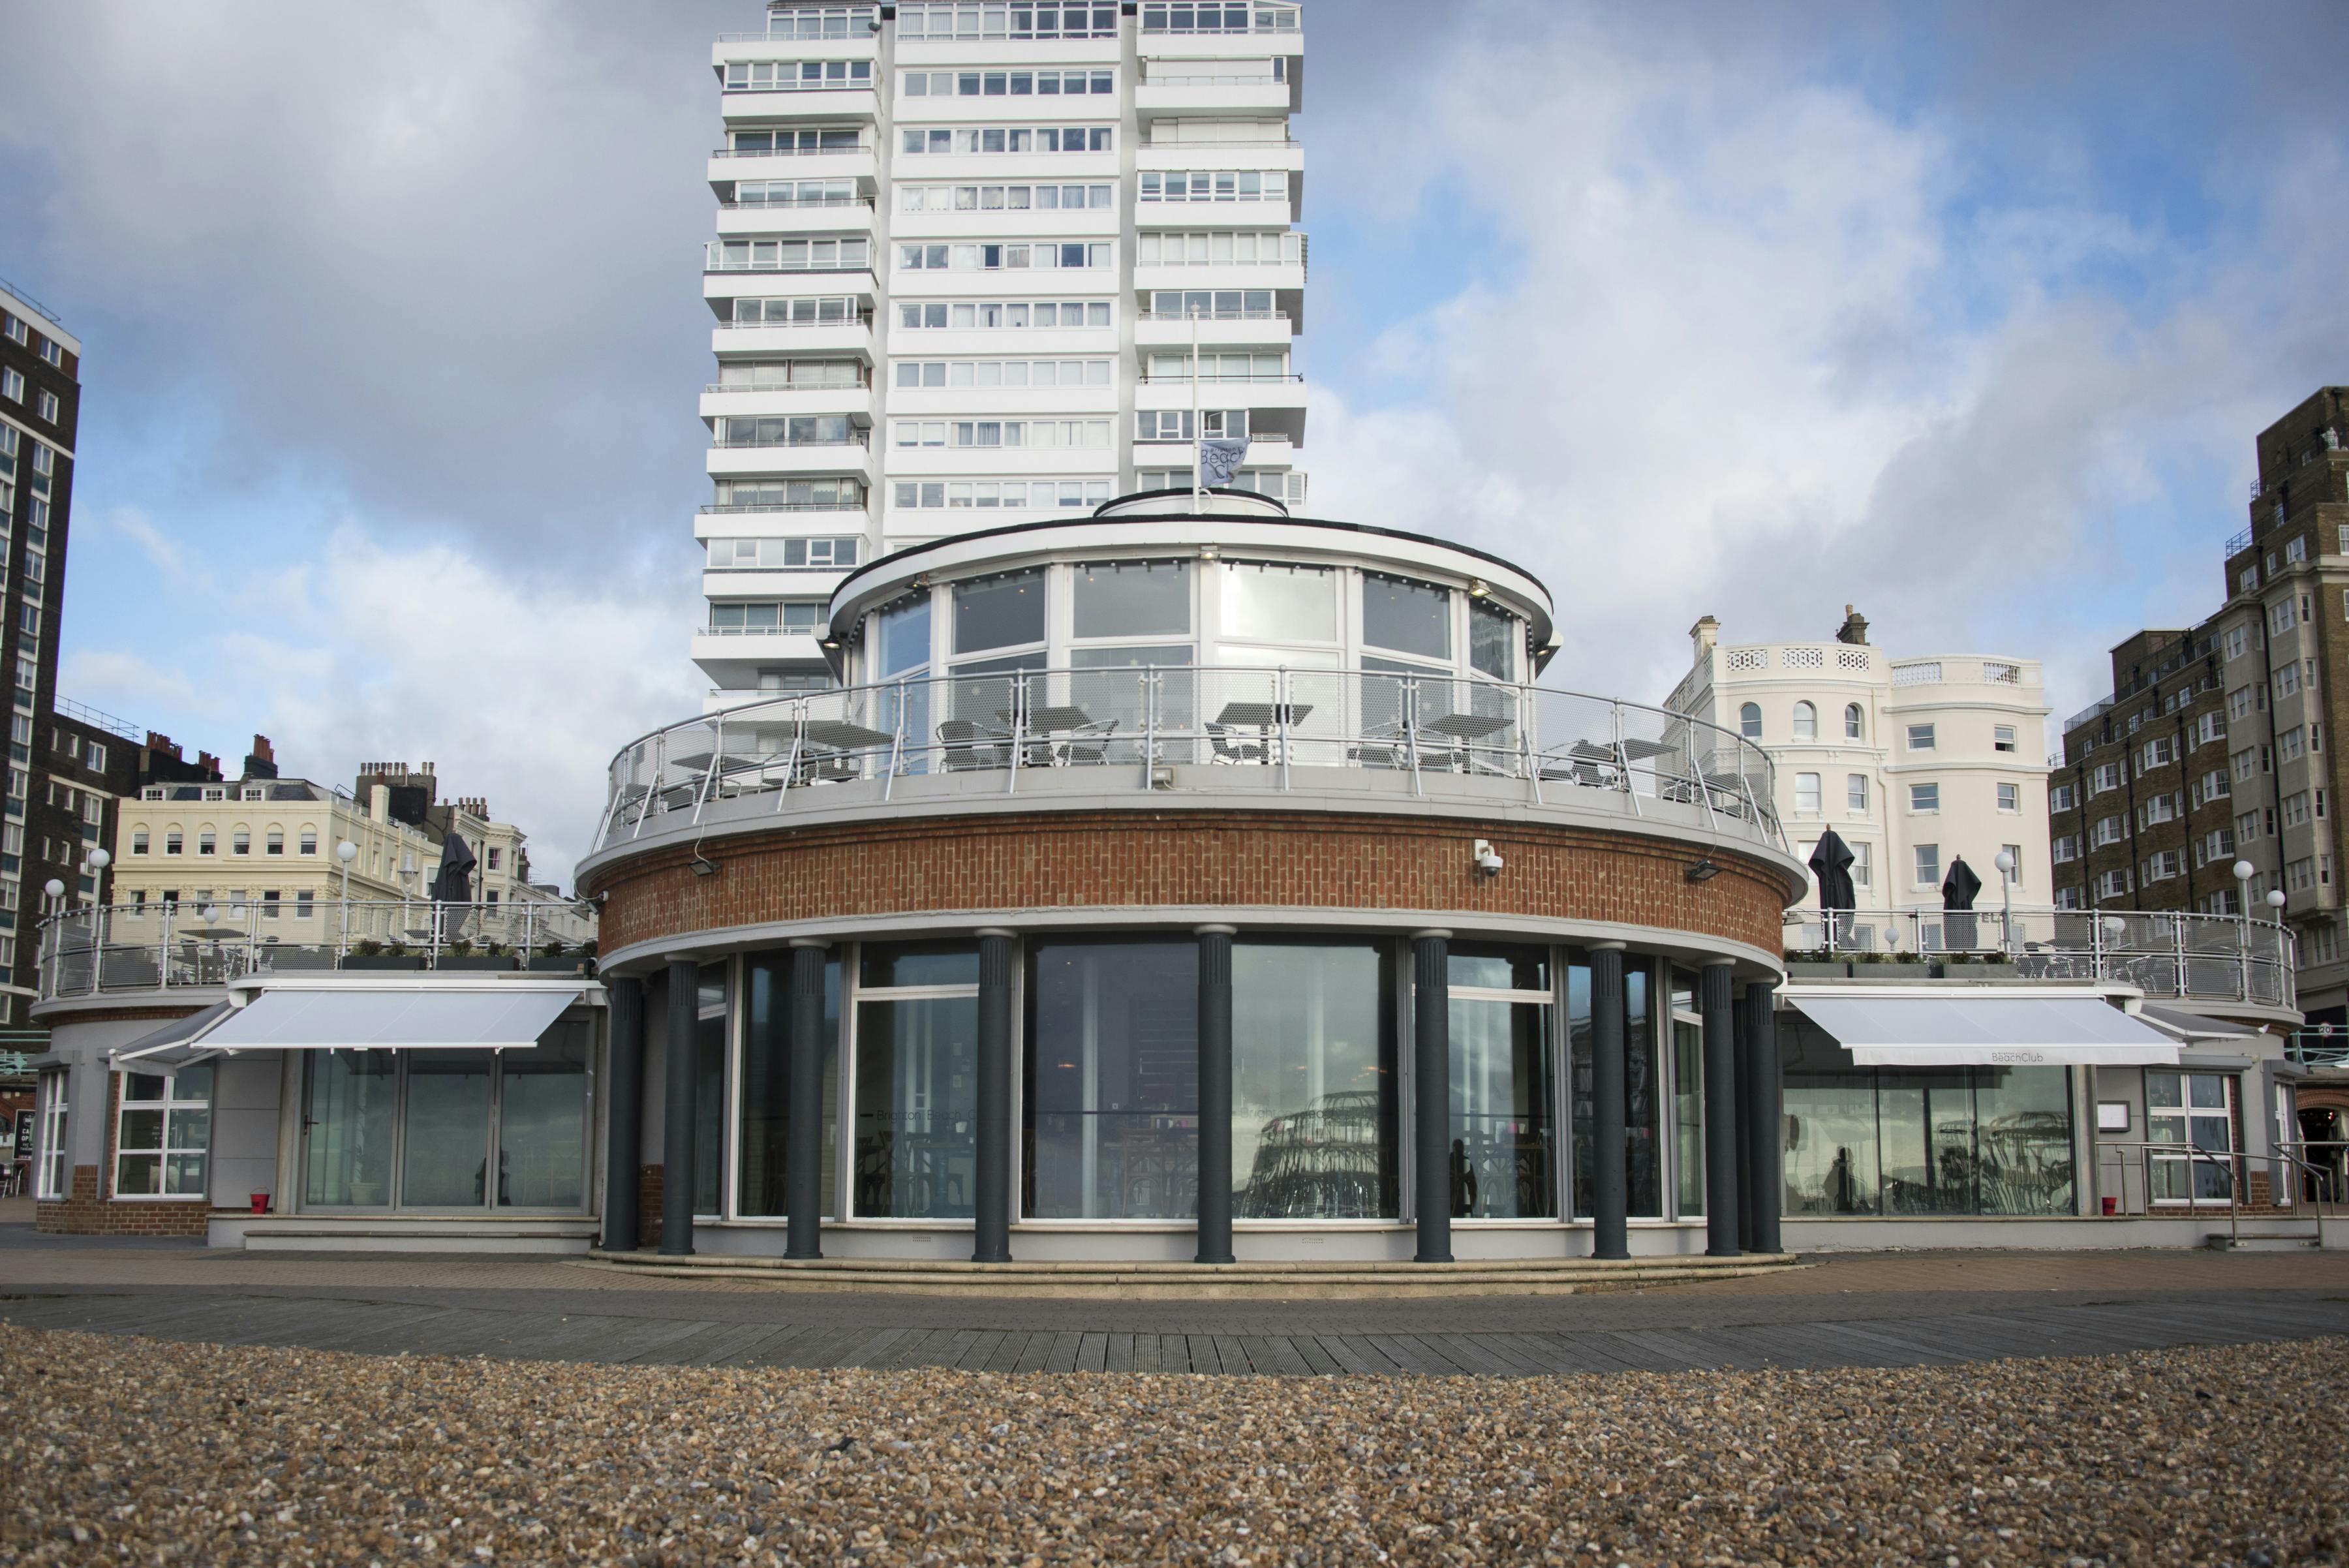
(1218, 457)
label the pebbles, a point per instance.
(128, 1450)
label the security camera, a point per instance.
(1488, 859)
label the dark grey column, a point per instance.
(1430, 1054)
(1610, 1190)
(1741, 1018)
(803, 1148)
(1720, 1113)
(1215, 1094)
(1768, 1169)
(624, 1130)
(991, 1202)
(676, 1140)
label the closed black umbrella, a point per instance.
(1831, 861)
(1958, 890)
(454, 883)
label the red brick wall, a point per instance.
(648, 1201)
(92, 1210)
(1146, 859)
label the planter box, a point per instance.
(383, 960)
(493, 961)
(1892, 971)
(1814, 970)
(567, 963)
(1977, 972)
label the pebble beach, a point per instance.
(116, 1449)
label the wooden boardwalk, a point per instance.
(571, 1333)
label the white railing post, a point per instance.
(1527, 748)
(896, 743)
(1280, 715)
(717, 760)
(1149, 722)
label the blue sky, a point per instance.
(1964, 314)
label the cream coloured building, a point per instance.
(1914, 762)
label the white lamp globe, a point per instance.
(2276, 899)
(99, 860)
(2243, 870)
(2005, 861)
(53, 889)
(347, 852)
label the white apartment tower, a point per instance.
(964, 251)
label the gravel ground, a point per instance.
(128, 1450)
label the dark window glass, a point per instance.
(543, 1121)
(918, 963)
(1113, 1081)
(1496, 966)
(999, 612)
(1134, 598)
(916, 1105)
(1407, 617)
(1314, 1129)
(710, 1086)
(1640, 1166)
(905, 635)
(1491, 640)
(767, 1047)
(1504, 1129)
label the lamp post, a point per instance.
(96, 863)
(2276, 900)
(2243, 903)
(52, 891)
(2006, 864)
(346, 851)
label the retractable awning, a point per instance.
(1983, 1031)
(389, 1019)
(175, 1045)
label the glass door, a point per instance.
(346, 1129)
(2190, 1110)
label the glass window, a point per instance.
(1134, 598)
(1112, 1102)
(709, 1088)
(445, 1144)
(1924, 797)
(1407, 617)
(1854, 793)
(905, 635)
(162, 1133)
(1502, 1091)
(999, 612)
(1688, 1100)
(917, 1088)
(1829, 1114)
(1491, 640)
(1278, 603)
(1807, 793)
(766, 1049)
(1749, 721)
(1807, 721)
(1642, 1166)
(543, 1121)
(1855, 723)
(1920, 737)
(1314, 1132)
(349, 1129)
(1929, 865)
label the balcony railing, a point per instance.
(2242, 541)
(787, 152)
(1184, 16)
(2166, 953)
(2320, 1048)
(854, 438)
(112, 948)
(752, 203)
(716, 508)
(1209, 379)
(1214, 316)
(1141, 728)
(862, 319)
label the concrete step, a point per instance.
(1138, 1281)
(2262, 1242)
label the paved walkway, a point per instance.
(1874, 1309)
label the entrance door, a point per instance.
(346, 1130)
(2192, 1110)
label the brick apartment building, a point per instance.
(2214, 747)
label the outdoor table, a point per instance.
(1053, 728)
(1262, 717)
(843, 736)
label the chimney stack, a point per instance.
(260, 763)
(1853, 630)
(1706, 635)
(209, 763)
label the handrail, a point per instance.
(786, 151)
(1152, 719)
(2226, 1165)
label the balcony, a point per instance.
(735, 659)
(720, 402)
(1174, 94)
(1216, 329)
(754, 582)
(750, 460)
(110, 948)
(1217, 29)
(1225, 259)
(828, 105)
(728, 168)
(830, 214)
(1186, 737)
(1275, 403)
(744, 340)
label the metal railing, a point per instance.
(2318, 1048)
(1161, 728)
(1185, 18)
(2242, 541)
(741, 204)
(35, 306)
(2229, 1167)
(98, 718)
(1214, 315)
(2163, 952)
(864, 318)
(106, 948)
(854, 438)
(1150, 379)
(786, 151)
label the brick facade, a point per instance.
(92, 1210)
(1188, 860)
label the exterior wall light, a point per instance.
(704, 866)
(1703, 871)
(1478, 588)
(1210, 552)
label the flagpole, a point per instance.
(1198, 430)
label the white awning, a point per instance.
(1984, 1031)
(175, 1045)
(389, 1019)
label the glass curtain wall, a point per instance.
(709, 1051)
(1688, 1096)
(765, 1119)
(1937, 1140)
(1314, 1127)
(543, 1121)
(353, 1107)
(917, 1082)
(1503, 1087)
(1642, 1157)
(1112, 1100)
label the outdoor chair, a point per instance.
(1089, 748)
(1232, 750)
(970, 747)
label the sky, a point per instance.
(1964, 314)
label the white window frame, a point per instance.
(52, 1160)
(169, 1108)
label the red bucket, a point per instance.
(2112, 1206)
(261, 1203)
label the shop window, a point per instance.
(163, 1131)
(1642, 1089)
(766, 1091)
(1111, 1096)
(1315, 1133)
(916, 1089)
(1503, 1083)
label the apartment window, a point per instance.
(2106, 777)
(1749, 721)
(797, 617)
(2280, 617)
(1855, 793)
(1806, 794)
(12, 385)
(1807, 721)
(204, 844)
(2300, 876)
(836, 254)
(917, 141)
(1920, 737)
(2010, 797)
(1006, 493)
(2246, 763)
(16, 330)
(2287, 679)
(2064, 848)
(53, 1167)
(2155, 810)
(1863, 858)
(52, 353)
(239, 842)
(1929, 865)
(1023, 198)
(794, 495)
(1244, 247)
(2238, 703)
(2295, 809)
(929, 373)
(2215, 785)
(304, 904)
(808, 141)
(987, 315)
(269, 905)
(821, 311)
(2067, 898)
(1032, 254)
(171, 841)
(2157, 752)
(47, 406)
(310, 845)
(2161, 866)
(1216, 185)
(162, 1132)
(2247, 580)
(1005, 84)
(2291, 745)
(1855, 723)
(2002, 738)
(2108, 830)
(493, 857)
(798, 76)
(1001, 433)
(2112, 885)
(138, 841)
(2063, 797)
(803, 430)
(2247, 826)
(1924, 797)
(2296, 550)
(2218, 843)
(950, 19)
(275, 844)
(2209, 729)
